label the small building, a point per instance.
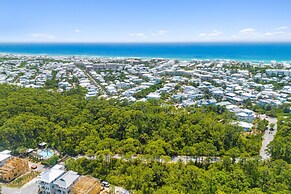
(242, 116)
(87, 185)
(217, 93)
(4, 156)
(153, 95)
(42, 145)
(250, 115)
(188, 102)
(246, 126)
(223, 103)
(6, 152)
(115, 66)
(206, 77)
(13, 168)
(89, 67)
(237, 100)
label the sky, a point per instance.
(145, 21)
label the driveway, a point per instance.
(39, 168)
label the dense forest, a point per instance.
(76, 126)
(73, 125)
(280, 147)
(248, 176)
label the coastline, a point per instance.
(241, 52)
(148, 57)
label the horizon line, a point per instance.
(162, 42)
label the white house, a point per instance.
(63, 185)
(47, 178)
(153, 95)
(246, 126)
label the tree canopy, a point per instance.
(280, 147)
(245, 177)
(101, 128)
(73, 125)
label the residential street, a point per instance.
(268, 136)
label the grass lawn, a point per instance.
(22, 180)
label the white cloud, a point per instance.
(140, 35)
(269, 34)
(214, 33)
(274, 33)
(235, 36)
(43, 36)
(143, 35)
(247, 31)
(202, 34)
(281, 28)
(250, 34)
(160, 33)
(77, 30)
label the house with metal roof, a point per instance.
(47, 178)
(63, 185)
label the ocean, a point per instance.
(184, 51)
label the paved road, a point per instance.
(29, 188)
(173, 159)
(268, 136)
(93, 80)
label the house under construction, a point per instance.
(13, 168)
(87, 185)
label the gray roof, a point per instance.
(4, 156)
(51, 175)
(42, 144)
(224, 103)
(67, 179)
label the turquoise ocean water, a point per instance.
(187, 51)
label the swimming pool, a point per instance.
(45, 154)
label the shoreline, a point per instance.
(264, 52)
(19, 54)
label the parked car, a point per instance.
(105, 184)
(33, 167)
